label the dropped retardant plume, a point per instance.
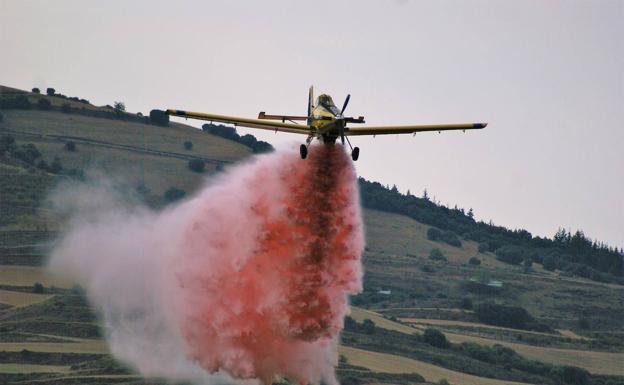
(248, 280)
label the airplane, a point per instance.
(324, 121)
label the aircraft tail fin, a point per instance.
(310, 100)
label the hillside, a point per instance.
(426, 266)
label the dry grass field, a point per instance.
(33, 368)
(18, 298)
(29, 275)
(390, 363)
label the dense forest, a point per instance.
(573, 254)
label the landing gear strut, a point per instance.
(303, 151)
(355, 154)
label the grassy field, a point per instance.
(16, 298)
(32, 368)
(390, 363)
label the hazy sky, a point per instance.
(548, 76)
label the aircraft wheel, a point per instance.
(303, 151)
(355, 154)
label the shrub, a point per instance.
(465, 303)
(571, 375)
(451, 238)
(44, 104)
(510, 254)
(70, 146)
(436, 338)
(27, 153)
(474, 261)
(38, 288)
(56, 167)
(43, 165)
(19, 102)
(36, 90)
(1, 117)
(159, 117)
(196, 165)
(434, 234)
(506, 316)
(368, 326)
(50, 91)
(549, 263)
(174, 194)
(436, 255)
(188, 145)
(484, 247)
(66, 108)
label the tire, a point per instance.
(355, 154)
(303, 151)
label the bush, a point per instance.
(159, 117)
(451, 238)
(1, 117)
(466, 303)
(66, 108)
(550, 263)
(36, 90)
(44, 104)
(196, 165)
(174, 194)
(38, 288)
(56, 167)
(19, 102)
(506, 316)
(43, 165)
(436, 255)
(50, 91)
(27, 153)
(434, 234)
(474, 261)
(510, 254)
(188, 145)
(571, 375)
(436, 338)
(70, 146)
(368, 326)
(484, 247)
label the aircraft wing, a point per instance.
(385, 130)
(245, 122)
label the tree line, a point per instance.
(573, 253)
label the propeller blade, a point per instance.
(344, 106)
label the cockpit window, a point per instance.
(327, 102)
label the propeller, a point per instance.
(342, 125)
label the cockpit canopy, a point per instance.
(326, 102)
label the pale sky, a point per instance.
(548, 76)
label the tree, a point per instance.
(38, 288)
(50, 91)
(119, 107)
(70, 146)
(549, 263)
(159, 117)
(188, 145)
(474, 261)
(528, 262)
(470, 214)
(436, 338)
(436, 255)
(174, 194)
(44, 104)
(466, 303)
(425, 195)
(196, 165)
(434, 234)
(368, 326)
(484, 247)
(36, 90)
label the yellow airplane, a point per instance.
(324, 122)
